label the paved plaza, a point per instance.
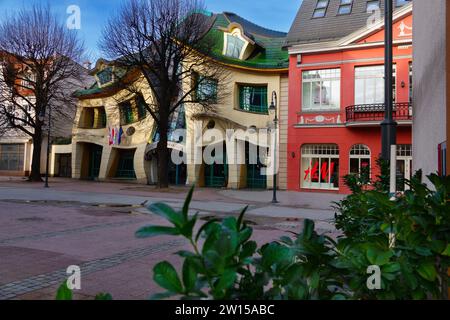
(92, 225)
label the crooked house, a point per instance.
(115, 138)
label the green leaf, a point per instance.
(391, 267)
(248, 250)
(275, 253)
(245, 234)
(438, 246)
(338, 297)
(230, 223)
(226, 280)
(185, 254)
(308, 229)
(427, 270)
(214, 261)
(188, 228)
(167, 212)
(166, 276)
(152, 231)
(423, 251)
(314, 280)
(187, 203)
(446, 252)
(103, 296)
(227, 242)
(241, 218)
(64, 293)
(410, 279)
(378, 257)
(204, 227)
(189, 275)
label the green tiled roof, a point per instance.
(269, 54)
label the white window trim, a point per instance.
(365, 78)
(308, 184)
(321, 107)
(360, 157)
(236, 32)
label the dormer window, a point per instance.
(373, 5)
(321, 8)
(234, 46)
(105, 76)
(345, 7)
(400, 3)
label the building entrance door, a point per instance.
(255, 178)
(216, 174)
(95, 159)
(404, 166)
(65, 166)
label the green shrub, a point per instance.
(226, 264)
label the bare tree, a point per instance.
(168, 42)
(38, 71)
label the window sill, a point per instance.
(319, 111)
(252, 112)
(134, 122)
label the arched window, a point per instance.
(320, 166)
(360, 161)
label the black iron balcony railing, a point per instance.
(375, 112)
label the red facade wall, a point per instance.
(344, 136)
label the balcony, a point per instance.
(373, 114)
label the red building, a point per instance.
(336, 91)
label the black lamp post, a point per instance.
(42, 119)
(388, 126)
(273, 111)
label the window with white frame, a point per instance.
(404, 150)
(320, 166)
(12, 157)
(369, 84)
(373, 5)
(360, 161)
(321, 90)
(234, 46)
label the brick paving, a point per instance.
(41, 281)
(92, 225)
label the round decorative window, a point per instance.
(211, 124)
(131, 131)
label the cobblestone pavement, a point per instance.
(91, 225)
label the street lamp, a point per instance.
(388, 126)
(42, 119)
(273, 111)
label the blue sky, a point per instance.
(273, 14)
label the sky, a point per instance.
(272, 14)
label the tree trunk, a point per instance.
(163, 151)
(35, 174)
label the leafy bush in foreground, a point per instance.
(225, 263)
